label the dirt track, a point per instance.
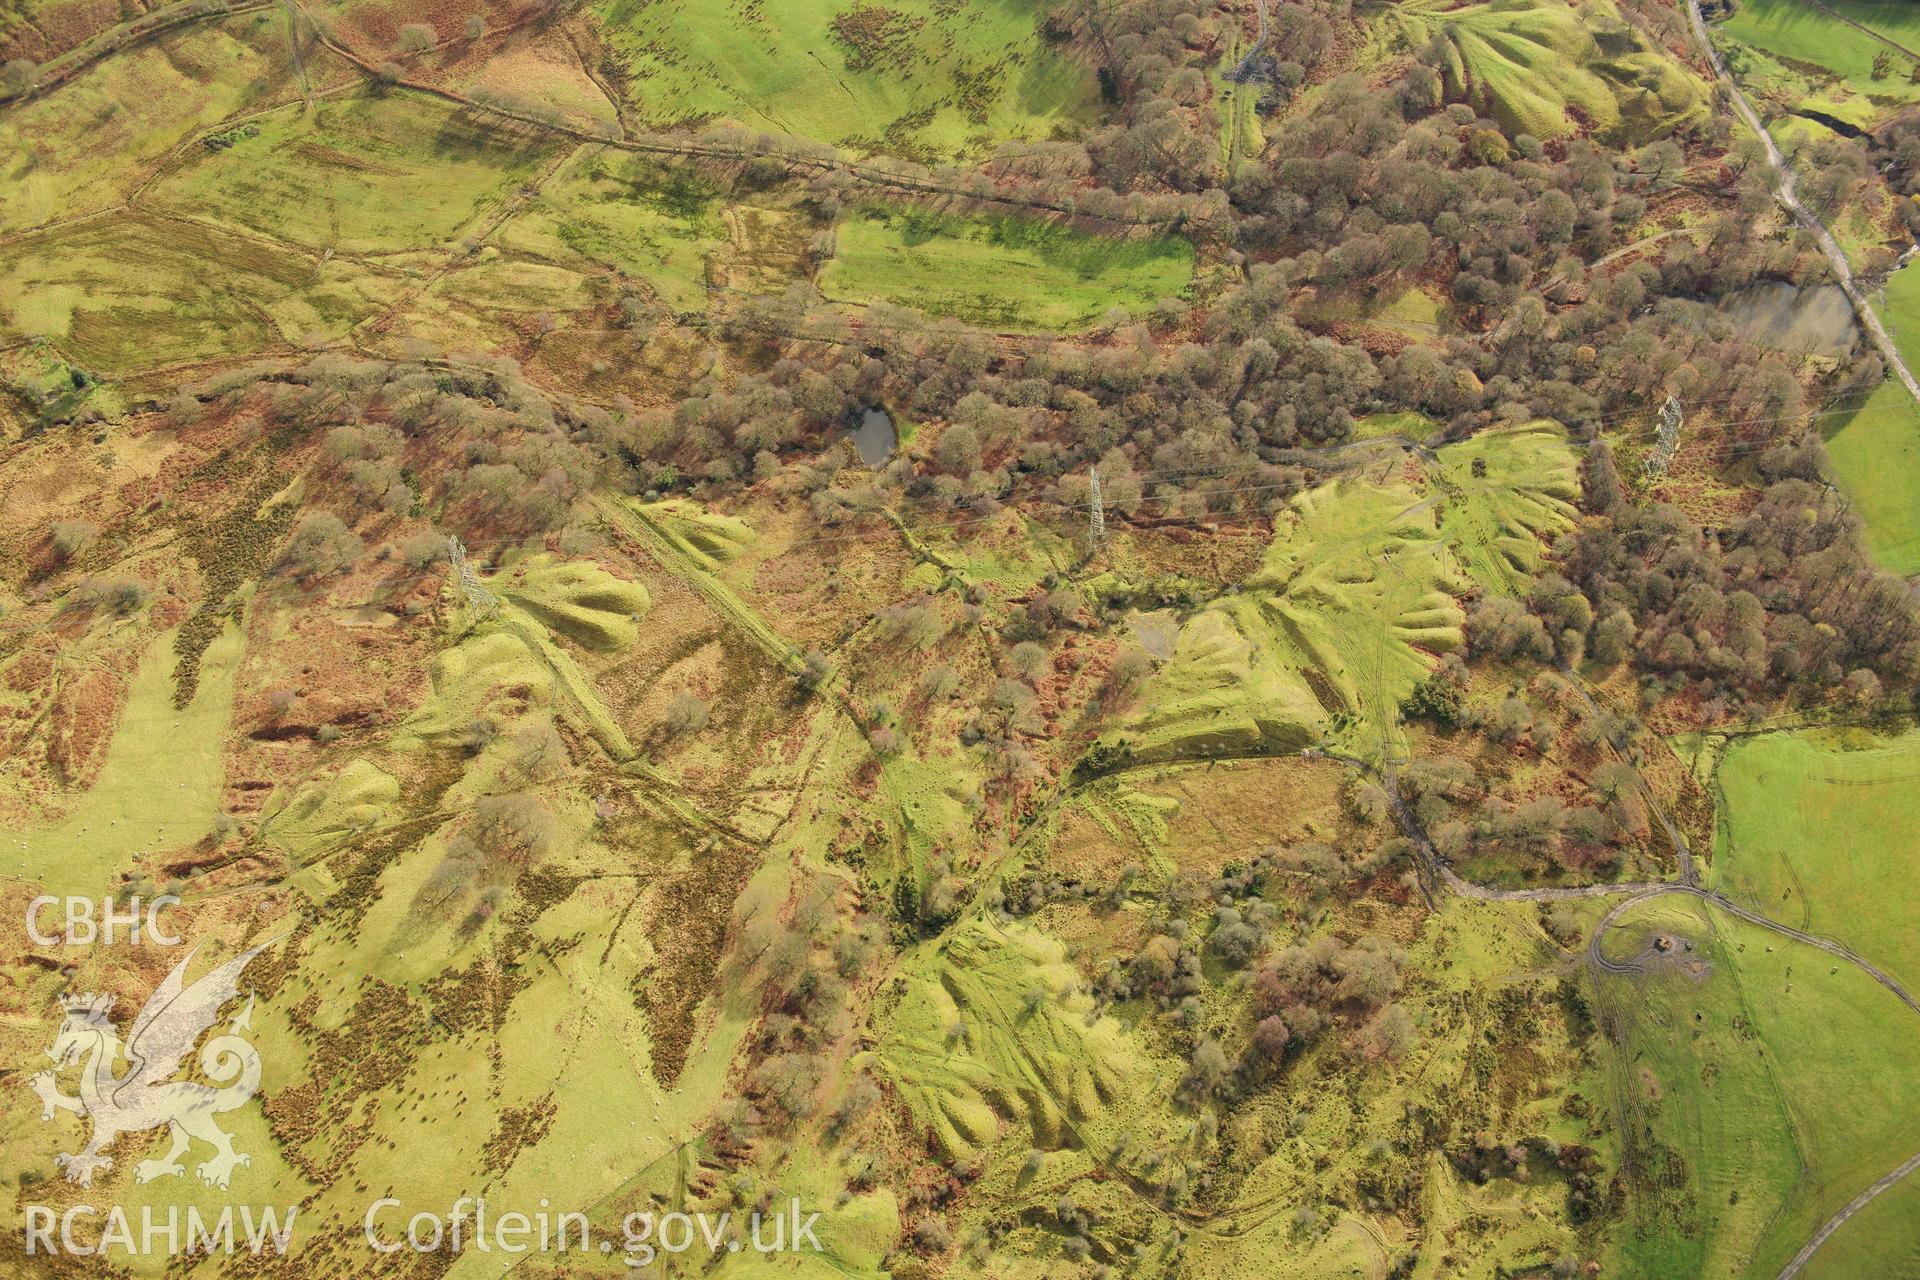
(1435, 870)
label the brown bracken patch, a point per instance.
(688, 930)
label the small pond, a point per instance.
(1816, 319)
(873, 435)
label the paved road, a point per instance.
(1783, 191)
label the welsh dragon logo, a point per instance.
(145, 1097)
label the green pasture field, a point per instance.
(1900, 310)
(1816, 831)
(1759, 1095)
(1412, 311)
(607, 209)
(1002, 272)
(1802, 35)
(1880, 1240)
(912, 76)
(368, 173)
(1875, 452)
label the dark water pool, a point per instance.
(873, 435)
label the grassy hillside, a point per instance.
(98, 288)
(1811, 835)
(603, 209)
(367, 173)
(1357, 597)
(1741, 1060)
(1543, 68)
(124, 813)
(1007, 273)
(1883, 1237)
(1363, 594)
(1803, 38)
(916, 76)
(86, 148)
(1875, 451)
